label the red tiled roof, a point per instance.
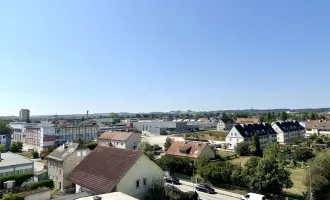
(192, 149)
(252, 120)
(318, 124)
(116, 135)
(103, 168)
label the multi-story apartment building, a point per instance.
(46, 134)
(244, 133)
(62, 161)
(24, 115)
(288, 131)
(70, 132)
(318, 127)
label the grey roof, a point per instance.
(9, 159)
(227, 120)
(288, 126)
(63, 153)
(247, 130)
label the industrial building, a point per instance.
(159, 127)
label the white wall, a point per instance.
(143, 168)
(233, 138)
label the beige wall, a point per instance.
(143, 168)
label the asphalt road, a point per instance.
(205, 196)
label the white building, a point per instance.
(24, 115)
(18, 131)
(12, 164)
(40, 135)
(120, 139)
(109, 196)
(108, 169)
(244, 133)
(288, 131)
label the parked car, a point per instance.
(172, 180)
(253, 196)
(205, 188)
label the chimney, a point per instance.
(63, 145)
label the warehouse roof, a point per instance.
(9, 159)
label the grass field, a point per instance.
(225, 153)
(297, 176)
(208, 135)
(241, 159)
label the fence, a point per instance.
(233, 188)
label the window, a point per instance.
(78, 153)
(231, 134)
(235, 134)
(122, 143)
(137, 183)
(117, 143)
(84, 153)
(3, 137)
(144, 182)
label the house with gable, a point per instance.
(110, 169)
(192, 149)
(244, 133)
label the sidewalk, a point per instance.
(223, 192)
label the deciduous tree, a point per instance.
(168, 143)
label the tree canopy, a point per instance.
(168, 143)
(5, 129)
(255, 148)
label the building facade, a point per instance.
(12, 164)
(160, 127)
(201, 125)
(225, 124)
(18, 131)
(62, 161)
(120, 139)
(24, 115)
(70, 132)
(244, 133)
(288, 131)
(251, 120)
(41, 135)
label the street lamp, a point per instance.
(192, 164)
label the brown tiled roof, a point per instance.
(116, 135)
(318, 124)
(178, 149)
(103, 168)
(252, 120)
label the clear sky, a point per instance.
(139, 56)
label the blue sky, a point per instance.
(139, 56)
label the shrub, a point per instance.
(35, 154)
(11, 196)
(18, 178)
(242, 149)
(44, 183)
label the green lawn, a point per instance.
(297, 176)
(241, 159)
(225, 153)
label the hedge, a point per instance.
(18, 178)
(43, 183)
(11, 196)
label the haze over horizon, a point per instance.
(67, 57)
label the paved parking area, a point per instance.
(157, 139)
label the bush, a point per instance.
(180, 165)
(242, 149)
(35, 154)
(19, 178)
(91, 144)
(11, 196)
(44, 183)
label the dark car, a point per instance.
(205, 188)
(172, 180)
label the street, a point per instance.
(205, 196)
(220, 194)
